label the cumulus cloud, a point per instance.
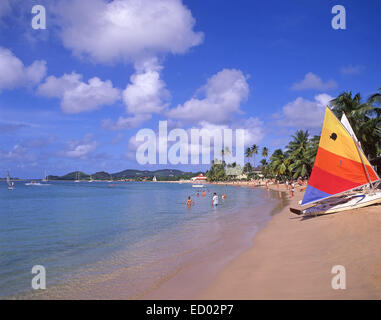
(80, 149)
(303, 113)
(146, 93)
(312, 82)
(130, 31)
(254, 132)
(126, 30)
(352, 70)
(78, 96)
(14, 74)
(223, 94)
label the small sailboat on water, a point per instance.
(91, 179)
(342, 177)
(76, 177)
(46, 179)
(11, 184)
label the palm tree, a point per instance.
(254, 150)
(248, 154)
(364, 118)
(279, 163)
(265, 152)
(298, 148)
(375, 98)
(312, 150)
(247, 168)
(263, 162)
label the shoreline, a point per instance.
(213, 246)
(187, 282)
(292, 258)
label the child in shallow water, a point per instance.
(189, 201)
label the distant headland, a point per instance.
(128, 175)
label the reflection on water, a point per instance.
(99, 242)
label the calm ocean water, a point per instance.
(85, 231)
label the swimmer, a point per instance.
(189, 202)
(203, 193)
(215, 199)
(223, 196)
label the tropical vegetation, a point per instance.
(297, 158)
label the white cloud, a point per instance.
(77, 96)
(303, 113)
(14, 74)
(254, 130)
(223, 94)
(18, 153)
(125, 122)
(131, 31)
(146, 93)
(80, 149)
(352, 70)
(312, 81)
(126, 30)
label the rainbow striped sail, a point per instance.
(339, 165)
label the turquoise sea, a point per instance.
(95, 239)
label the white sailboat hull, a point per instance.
(350, 202)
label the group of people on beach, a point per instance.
(290, 185)
(191, 202)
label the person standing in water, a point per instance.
(215, 199)
(189, 201)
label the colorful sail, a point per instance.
(339, 164)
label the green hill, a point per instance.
(130, 173)
(161, 175)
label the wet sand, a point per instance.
(292, 258)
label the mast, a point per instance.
(8, 179)
(363, 164)
(329, 178)
(346, 124)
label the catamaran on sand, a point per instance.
(342, 177)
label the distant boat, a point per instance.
(77, 177)
(11, 184)
(33, 183)
(197, 186)
(91, 179)
(154, 179)
(110, 180)
(46, 179)
(342, 177)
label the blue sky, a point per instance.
(268, 67)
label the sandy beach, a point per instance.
(292, 258)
